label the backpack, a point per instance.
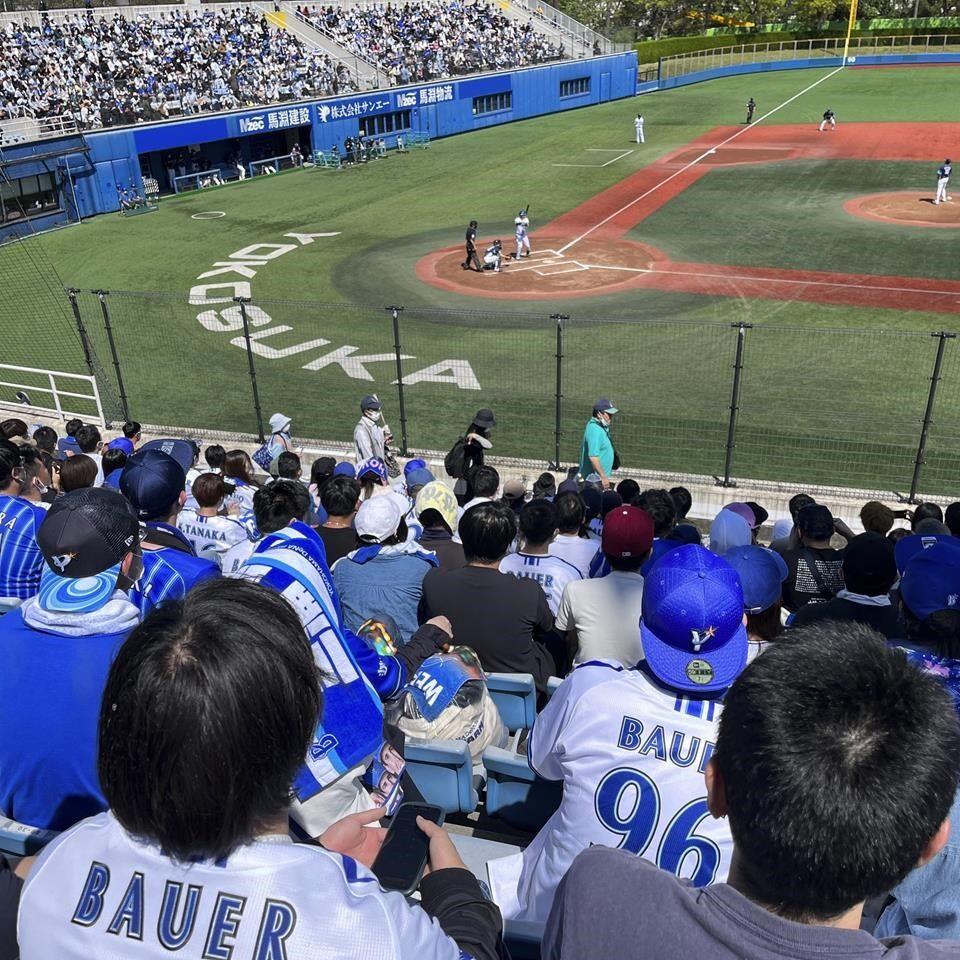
(262, 456)
(455, 461)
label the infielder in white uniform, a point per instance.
(194, 858)
(638, 127)
(522, 224)
(943, 181)
(631, 746)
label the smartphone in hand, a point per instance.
(403, 856)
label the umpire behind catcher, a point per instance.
(472, 257)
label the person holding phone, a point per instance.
(207, 715)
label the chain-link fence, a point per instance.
(851, 407)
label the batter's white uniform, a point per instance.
(638, 126)
(631, 754)
(943, 181)
(522, 224)
(96, 892)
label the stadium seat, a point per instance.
(443, 773)
(516, 698)
(553, 684)
(515, 793)
(20, 840)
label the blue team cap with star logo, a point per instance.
(691, 626)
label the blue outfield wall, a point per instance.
(112, 157)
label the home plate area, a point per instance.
(589, 267)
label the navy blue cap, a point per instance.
(931, 580)
(183, 451)
(761, 573)
(691, 627)
(152, 481)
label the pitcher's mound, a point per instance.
(589, 267)
(909, 209)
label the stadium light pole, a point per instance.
(395, 312)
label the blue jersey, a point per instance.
(21, 562)
(169, 573)
(944, 172)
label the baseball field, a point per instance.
(824, 246)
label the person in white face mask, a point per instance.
(370, 438)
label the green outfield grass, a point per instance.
(857, 397)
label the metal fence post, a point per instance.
(741, 329)
(124, 406)
(243, 301)
(81, 329)
(395, 313)
(942, 338)
(559, 319)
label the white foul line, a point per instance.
(596, 166)
(696, 160)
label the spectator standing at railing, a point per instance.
(598, 458)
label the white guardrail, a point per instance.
(26, 388)
(681, 64)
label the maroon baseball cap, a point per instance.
(627, 532)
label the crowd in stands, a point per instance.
(754, 720)
(433, 40)
(108, 70)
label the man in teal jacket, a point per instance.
(596, 450)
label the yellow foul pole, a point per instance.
(851, 22)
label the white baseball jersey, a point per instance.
(631, 755)
(211, 537)
(96, 892)
(576, 550)
(236, 557)
(521, 223)
(552, 573)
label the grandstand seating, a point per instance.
(515, 794)
(443, 773)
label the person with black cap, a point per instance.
(58, 647)
(153, 482)
(370, 439)
(467, 454)
(869, 573)
(814, 568)
(598, 458)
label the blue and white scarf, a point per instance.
(292, 562)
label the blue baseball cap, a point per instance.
(152, 481)
(121, 443)
(931, 580)
(691, 626)
(419, 478)
(908, 547)
(374, 465)
(185, 452)
(761, 573)
(344, 469)
(416, 464)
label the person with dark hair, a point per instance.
(238, 470)
(951, 517)
(21, 561)
(468, 454)
(814, 568)
(572, 543)
(114, 460)
(601, 617)
(14, 427)
(628, 490)
(215, 455)
(662, 510)
(131, 430)
(877, 517)
(358, 678)
(385, 572)
(925, 511)
(682, 502)
(630, 745)
(436, 509)
(46, 439)
(77, 472)
(869, 573)
(321, 472)
(761, 573)
(792, 540)
(836, 766)
(36, 477)
(532, 561)
(288, 466)
(484, 486)
(275, 506)
(210, 530)
(153, 482)
(545, 486)
(90, 442)
(374, 478)
(57, 651)
(340, 499)
(67, 445)
(502, 618)
(216, 698)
